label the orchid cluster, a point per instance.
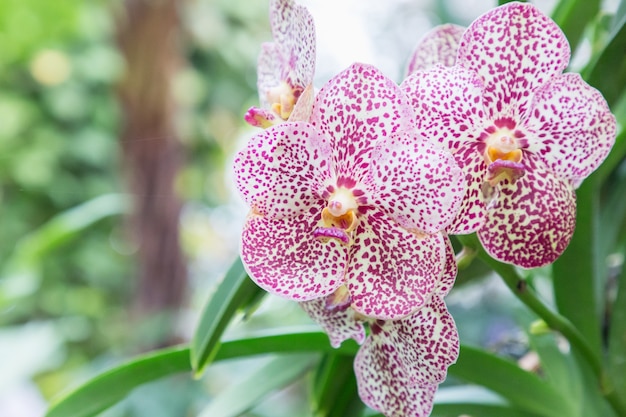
(354, 189)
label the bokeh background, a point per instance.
(118, 123)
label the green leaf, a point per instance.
(473, 400)
(578, 274)
(617, 338)
(615, 158)
(522, 389)
(572, 16)
(239, 398)
(21, 273)
(285, 340)
(235, 292)
(114, 385)
(501, 2)
(559, 368)
(335, 392)
(607, 72)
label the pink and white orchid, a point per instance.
(401, 362)
(286, 67)
(438, 46)
(354, 198)
(525, 134)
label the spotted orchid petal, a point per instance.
(392, 272)
(531, 222)
(450, 271)
(471, 214)
(286, 67)
(283, 258)
(293, 31)
(340, 324)
(437, 46)
(354, 110)
(447, 104)
(402, 357)
(271, 71)
(415, 183)
(304, 106)
(282, 170)
(515, 49)
(393, 396)
(570, 126)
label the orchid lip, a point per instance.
(339, 300)
(504, 169)
(326, 233)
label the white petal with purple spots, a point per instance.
(570, 126)
(515, 49)
(293, 30)
(531, 222)
(437, 46)
(355, 109)
(392, 272)
(340, 323)
(282, 170)
(415, 183)
(450, 271)
(283, 257)
(447, 104)
(400, 364)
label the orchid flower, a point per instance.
(286, 67)
(438, 46)
(525, 134)
(353, 198)
(401, 362)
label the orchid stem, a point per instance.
(554, 320)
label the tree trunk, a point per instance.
(148, 36)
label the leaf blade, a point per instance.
(110, 387)
(234, 292)
(529, 392)
(276, 374)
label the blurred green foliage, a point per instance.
(66, 259)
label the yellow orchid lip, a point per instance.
(346, 222)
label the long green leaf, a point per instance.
(528, 392)
(607, 72)
(615, 158)
(21, 273)
(241, 397)
(560, 369)
(335, 392)
(114, 385)
(285, 340)
(524, 390)
(572, 16)
(617, 338)
(110, 387)
(233, 293)
(577, 274)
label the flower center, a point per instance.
(503, 154)
(282, 99)
(339, 217)
(502, 144)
